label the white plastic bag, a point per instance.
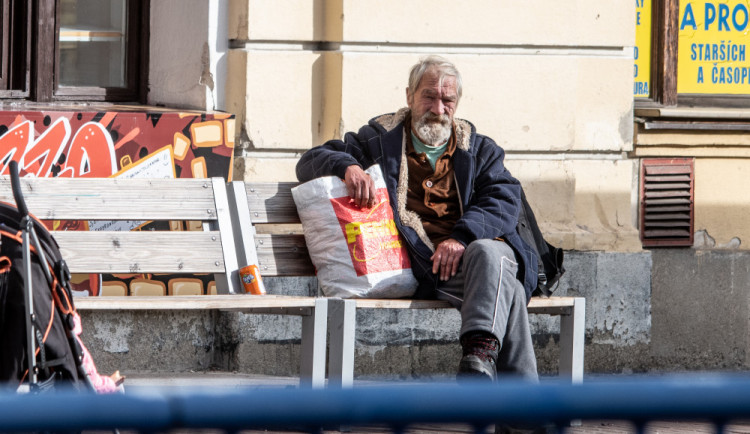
(357, 252)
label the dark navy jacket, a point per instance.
(490, 196)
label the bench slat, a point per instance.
(115, 199)
(242, 303)
(270, 303)
(549, 306)
(141, 252)
(283, 255)
(552, 305)
(271, 202)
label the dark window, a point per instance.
(666, 205)
(91, 50)
(15, 49)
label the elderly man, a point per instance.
(456, 206)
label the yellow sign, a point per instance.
(712, 50)
(642, 52)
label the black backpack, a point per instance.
(57, 361)
(550, 258)
(57, 357)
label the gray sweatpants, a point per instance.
(490, 298)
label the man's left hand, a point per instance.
(446, 258)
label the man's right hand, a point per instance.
(360, 186)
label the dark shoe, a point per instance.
(472, 367)
(480, 350)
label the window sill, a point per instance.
(693, 118)
(694, 113)
(11, 105)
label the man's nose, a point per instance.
(438, 107)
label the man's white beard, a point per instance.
(433, 130)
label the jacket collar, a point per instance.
(393, 133)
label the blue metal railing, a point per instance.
(717, 398)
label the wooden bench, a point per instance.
(260, 205)
(211, 250)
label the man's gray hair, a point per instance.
(443, 67)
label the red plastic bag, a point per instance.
(357, 252)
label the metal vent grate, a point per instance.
(666, 206)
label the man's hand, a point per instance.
(446, 258)
(360, 186)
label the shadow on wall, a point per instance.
(579, 220)
(326, 97)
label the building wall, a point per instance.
(722, 202)
(551, 82)
(699, 294)
(188, 46)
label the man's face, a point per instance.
(432, 106)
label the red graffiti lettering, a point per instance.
(45, 151)
(16, 138)
(91, 153)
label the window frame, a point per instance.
(39, 41)
(15, 51)
(663, 77)
(5, 43)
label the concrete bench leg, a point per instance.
(572, 331)
(341, 324)
(314, 330)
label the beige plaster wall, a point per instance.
(722, 162)
(582, 204)
(286, 20)
(722, 200)
(546, 22)
(277, 167)
(177, 61)
(650, 140)
(574, 23)
(512, 98)
(285, 99)
(550, 81)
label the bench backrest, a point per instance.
(268, 229)
(171, 252)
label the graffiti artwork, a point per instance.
(101, 144)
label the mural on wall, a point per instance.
(101, 144)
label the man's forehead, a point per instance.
(432, 80)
